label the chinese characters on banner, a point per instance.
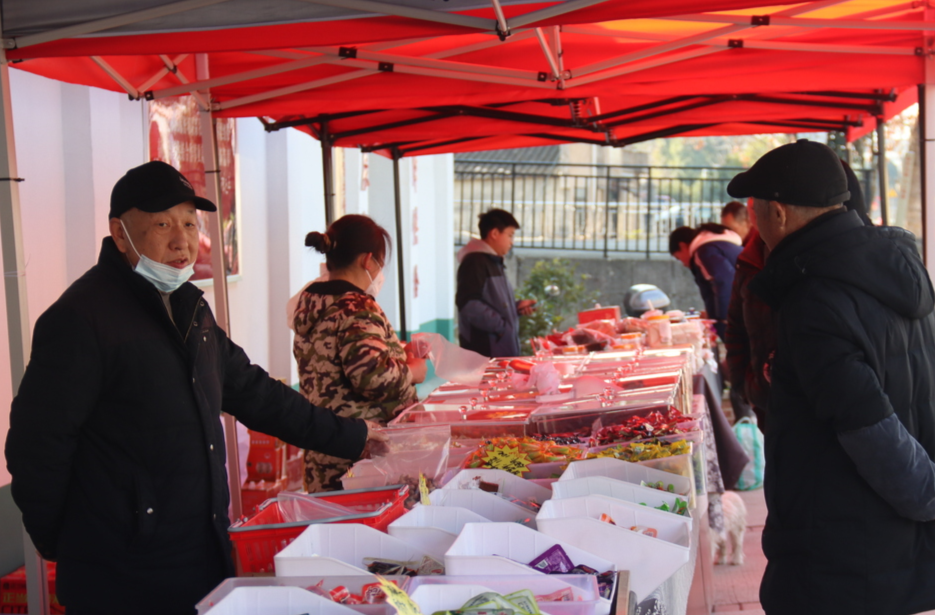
(175, 138)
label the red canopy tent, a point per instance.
(409, 78)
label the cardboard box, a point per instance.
(604, 313)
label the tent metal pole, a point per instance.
(209, 152)
(400, 266)
(927, 252)
(17, 307)
(383, 8)
(927, 149)
(327, 168)
(881, 170)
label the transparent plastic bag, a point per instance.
(410, 452)
(451, 362)
(303, 507)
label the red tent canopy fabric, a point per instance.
(602, 72)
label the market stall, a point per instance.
(530, 487)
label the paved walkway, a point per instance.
(737, 588)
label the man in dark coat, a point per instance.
(488, 312)
(115, 443)
(850, 483)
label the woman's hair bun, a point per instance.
(320, 241)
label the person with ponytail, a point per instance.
(349, 357)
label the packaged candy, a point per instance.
(670, 488)
(340, 594)
(607, 519)
(646, 531)
(553, 561)
(372, 593)
(644, 451)
(655, 424)
(525, 600)
(605, 584)
(566, 594)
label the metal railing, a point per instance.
(602, 208)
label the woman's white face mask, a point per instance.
(376, 283)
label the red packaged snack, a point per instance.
(340, 594)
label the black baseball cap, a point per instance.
(153, 187)
(804, 173)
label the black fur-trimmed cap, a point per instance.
(804, 173)
(153, 187)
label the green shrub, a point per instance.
(560, 294)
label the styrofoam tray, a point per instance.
(650, 560)
(506, 548)
(627, 472)
(276, 601)
(335, 549)
(510, 484)
(433, 529)
(613, 488)
(487, 505)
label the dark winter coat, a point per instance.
(852, 422)
(750, 335)
(116, 448)
(713, 258)
(488, 321)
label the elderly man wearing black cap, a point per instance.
(850, 483)
(115, 443)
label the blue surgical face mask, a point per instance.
(164, 277)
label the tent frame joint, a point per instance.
(347, 52)
(759, 20)
(9, 43)
(735, 43)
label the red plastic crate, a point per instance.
(257, 539)
(13, 598)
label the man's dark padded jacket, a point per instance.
(116, 448)
(850, 485)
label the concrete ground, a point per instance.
(737, 588)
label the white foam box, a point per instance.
(617, 489)
(354, 584)
(650, 560)
(627, 472)
(276, 601)
(506, 549)
(332, 549)
(433, 529)
(510, 484)
(490, 506)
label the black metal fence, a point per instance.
(600, 208)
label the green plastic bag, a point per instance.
(751, 439)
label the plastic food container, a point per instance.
(505, 548)
(617, 489)
(488, 505)
(510, 484)
(323, 550)
(257, 539)
(628, 472)
(276, 601)
(650, 560)
(433, 529)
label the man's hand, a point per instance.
(526, 307)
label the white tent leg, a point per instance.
(219, 268)
(17, 312)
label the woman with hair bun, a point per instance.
(349, 357)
